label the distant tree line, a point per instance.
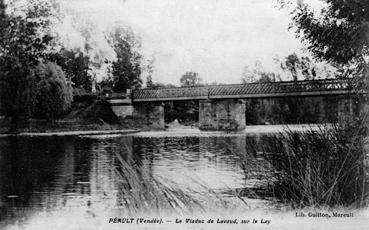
(290, 110)
(268, 111)
(186, 112)
(337, 34)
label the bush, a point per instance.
(54, 92)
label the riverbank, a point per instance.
(175, 129)
(180, 131)
(76, 133)
(91, 115)
(87, 115)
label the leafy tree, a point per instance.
(149, 82)
(2, 10)
(24, 42)
(250, 75)
(76, 67)
(186, 112)
(105, 86)
(338, 32)
(2, 21)
(157, 85)
(257, 74)
(299, 67)
(190, 79)
(268, 77)
(54, 92)
(150, 70)
(262, 111)
(291, 63)
(302, 67)
(126, 69)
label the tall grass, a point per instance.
(317, 168)
(142, 192)
(323, 168)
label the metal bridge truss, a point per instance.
(251, 90)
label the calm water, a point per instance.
(43, 175)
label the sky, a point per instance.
(215, 38)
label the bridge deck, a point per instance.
(252, 90)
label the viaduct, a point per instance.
(222, 107)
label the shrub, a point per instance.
(54, 92)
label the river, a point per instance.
(90, 177)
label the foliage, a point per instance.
(185, 112)
(190, 79)
(24, 42)
(95, 46)
(328, 167)
(293, 110)
(287, 110)
(257, 74)
(157, 85)
(338, 32)
(2, 9)
(76, 67)
(149, 82)
(126, 69)
(150, 70)
(301, 66)
(319, 168)
(54, 92)
(105, 86)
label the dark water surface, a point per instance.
(59, 174)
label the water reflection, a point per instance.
(51, 174)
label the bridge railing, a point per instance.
(281, 87)
(180, 92)
(243, 90)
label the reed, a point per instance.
(321, 169)
(142, 192)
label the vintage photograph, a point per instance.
(184, 114)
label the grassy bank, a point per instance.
(87, 112)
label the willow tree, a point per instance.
(54, 94)
(24, 41)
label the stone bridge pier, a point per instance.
(346, 108)
(222, 107)
(224, 114)
(150, 113)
